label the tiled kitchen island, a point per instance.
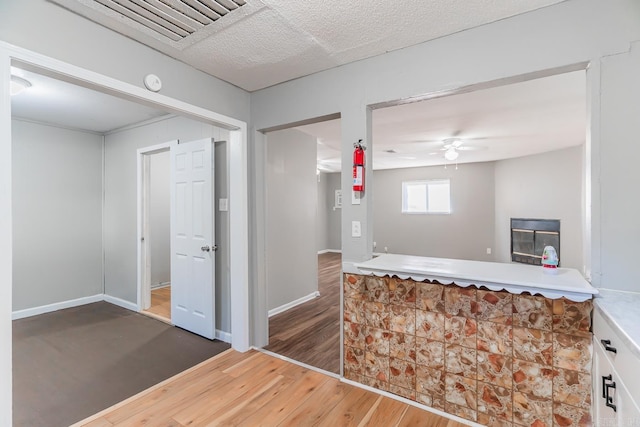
(425, 329)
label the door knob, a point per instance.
(205, 248)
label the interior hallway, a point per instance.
(160, 304)
(310, 332)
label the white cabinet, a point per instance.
(616, 378)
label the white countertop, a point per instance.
(512, 277)
(622, 311)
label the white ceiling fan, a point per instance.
(453, 146)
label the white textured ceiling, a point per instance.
(63, 104)
(266, 42)
(514, 120)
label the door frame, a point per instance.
(142, 185)
(238, 180)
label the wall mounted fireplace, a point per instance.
(530, 236)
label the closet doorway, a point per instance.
(156, 240)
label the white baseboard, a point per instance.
(223, 336)
(121, 302)
(160, 285)
(28, 312)
(335, 251)
(292, 304)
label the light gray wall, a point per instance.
(57, 214)
(334, 217)
(466, 233)
(47, 28)
(328, 215)
(571, 32)
(322, 214)
(159, 218)
(546, 186)
(291, 183)
(619, 172)
(120, 206)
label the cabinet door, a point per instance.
(602, 414)
(626, 412)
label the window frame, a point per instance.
(427, 183)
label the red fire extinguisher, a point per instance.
(358, 166)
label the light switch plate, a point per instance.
(223, 205)
(355, 197)
(356, 231)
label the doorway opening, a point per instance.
(235, 134)
(303, 264)
(156, 252)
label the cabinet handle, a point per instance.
(605, 391)
(608, 347)
(604, 385)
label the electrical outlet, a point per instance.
(355, 229)
(488, 251)
(386, 250)
(374, 245)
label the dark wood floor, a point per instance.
(310, 332)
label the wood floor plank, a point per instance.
(310, 332)
(289, 400)
(208, 409)
(243, 407)
(325, 398)
(160, 303)
(351, 410)
(419, 418)
(272, 392)
(99, 422)
(151, 398)
(170, 396)
(200, 407)
(170, 403)
(388, 412)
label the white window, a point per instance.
(426, 197)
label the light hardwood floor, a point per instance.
(310, 332)
(255, 389)
(160, 304)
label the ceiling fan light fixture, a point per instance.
(18, 85)
(451, 154)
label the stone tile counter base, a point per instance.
(491, 357)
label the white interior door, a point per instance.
(192, 237)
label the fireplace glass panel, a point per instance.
(523, 241)
(546, 239)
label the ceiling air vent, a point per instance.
(174, 19)
(177, 24)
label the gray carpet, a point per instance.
(70, 364)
